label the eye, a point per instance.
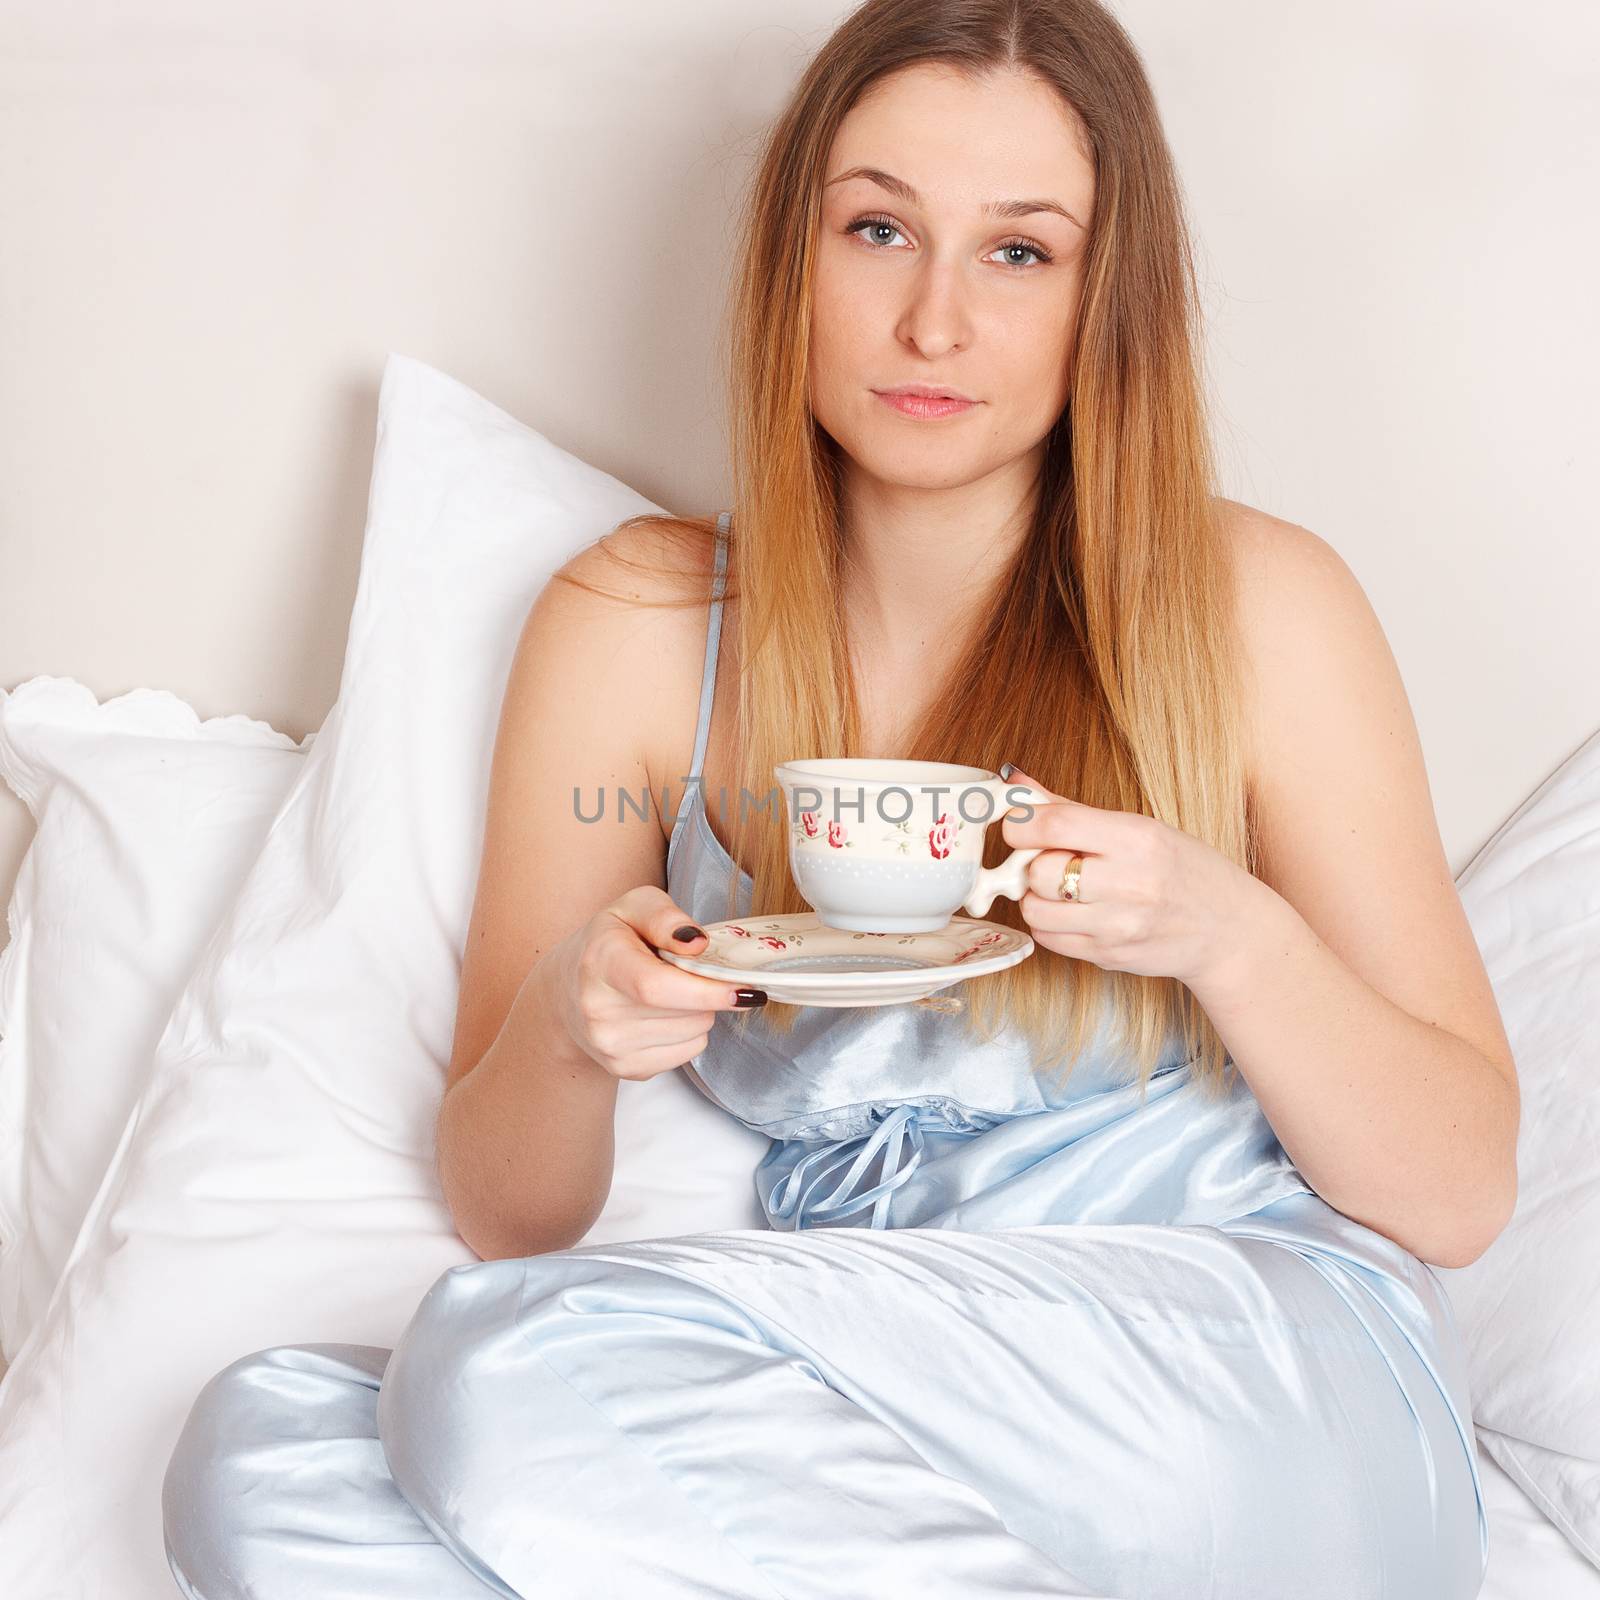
(864, 225)
(1025, 244)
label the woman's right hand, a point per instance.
(632, 1012)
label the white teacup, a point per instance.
(897, 846)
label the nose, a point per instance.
(936, 321)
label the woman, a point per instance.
(1114, 1283)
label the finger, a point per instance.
(659, 988)
(1046, 875)
(1045, 914)
(670, 1032)
(1019, 780)
(1065, 825)
(655, 919)
(632, 968)
(661, 921)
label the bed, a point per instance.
(240, 895)
(1529, 1558)
(270, 930)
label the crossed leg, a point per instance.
(1117, 1411)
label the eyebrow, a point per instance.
(902, 190)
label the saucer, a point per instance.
(800, 961)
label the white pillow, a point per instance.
(146, 820)
(1529, 1306)
(275, 1183)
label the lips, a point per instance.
(924, 391)
(915, 403)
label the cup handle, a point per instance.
(1010, 876)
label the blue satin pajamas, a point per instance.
(1130, 1411)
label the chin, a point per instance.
(902, 474)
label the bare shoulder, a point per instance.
(1308, 633)
(1273, 555)
(650, 558)
(638, 598)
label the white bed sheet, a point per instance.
(1529, 1557)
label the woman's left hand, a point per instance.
(1151, 898)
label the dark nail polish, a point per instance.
(687, 932)
(750, 997)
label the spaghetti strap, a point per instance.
(708, 675)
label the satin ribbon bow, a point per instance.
(793, 1197)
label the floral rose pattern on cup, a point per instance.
(808, 825)
(941, 836)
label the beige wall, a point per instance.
(219, 220)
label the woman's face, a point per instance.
(917, 283)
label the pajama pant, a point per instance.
(1131, 1411)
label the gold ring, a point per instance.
(1069, 878)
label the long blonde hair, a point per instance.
(1105, 664)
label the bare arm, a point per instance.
(1356, 1005)
(525, 1139)
(524, 1136)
